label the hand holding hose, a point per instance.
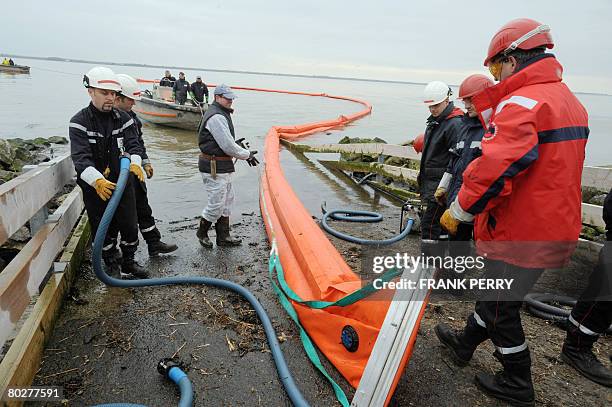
(104, 188)
(137, 170)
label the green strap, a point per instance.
(286, 291)
(349, 299)
(306, 342)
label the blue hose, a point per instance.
(362, 217)
(284, 374)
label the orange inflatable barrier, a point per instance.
(312, 266)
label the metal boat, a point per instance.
(158, 107)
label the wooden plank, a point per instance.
(396, 173)
(592, 215)
(358, 148)
(20, 280)
(597, 177)
(22, 360)
(22, 197)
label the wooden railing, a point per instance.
(34, 276)
(595, 177)
(25, 199)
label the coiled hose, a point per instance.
(538, 305)
(362, 217)
(284, 374)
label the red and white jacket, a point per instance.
(526, 187)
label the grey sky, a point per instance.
(401, 40)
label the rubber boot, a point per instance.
(577, 352)
(113, 263)
(223, 233)
(512, 384)
(158, 247)
(462, 344)
(131, 270)
(202, 233)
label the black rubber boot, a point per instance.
(112, 263)
(513, 384)
(159, 247)
(461, 344)
(577, 352)
(202, 233)
(223, 233)
(131, 270)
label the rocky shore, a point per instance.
(17, 152)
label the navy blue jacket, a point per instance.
(465, 151)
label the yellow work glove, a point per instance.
(149, 170)
(449, 223)
(137, 170)
(440, 196)
(104, 188)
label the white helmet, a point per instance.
(101, 78)
(436, 92)
(129, 86)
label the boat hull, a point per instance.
(169, 114)
(15, 69)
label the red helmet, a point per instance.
(474, 84)
(418, 142)
(522, 33)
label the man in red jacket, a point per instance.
(523, 193)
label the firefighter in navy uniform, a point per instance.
(130, 92)
(99, 135)
(443, 128)
(592, 314)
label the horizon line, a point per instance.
(344, 78)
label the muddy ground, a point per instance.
(107, 342)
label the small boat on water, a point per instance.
(158, 107)
(14, 68)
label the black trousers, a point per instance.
(459, 245)
(430, 221)
(146, 221)
(592, 314)
(124, 221)
(498, 312)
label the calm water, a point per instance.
(40, 105)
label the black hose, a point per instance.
(284, 374)
(362, 217)
(537, 305)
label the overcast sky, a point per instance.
(397, 40)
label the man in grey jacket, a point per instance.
(218, 149)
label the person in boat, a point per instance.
(216, 139)
(523, 194)
(11, 62)
(180, 89)
(130, 92)
(592, 314)
(199, 91)
(5, 61)
(462, 154)
(167, 80)
(99, 135)
(441, 134)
